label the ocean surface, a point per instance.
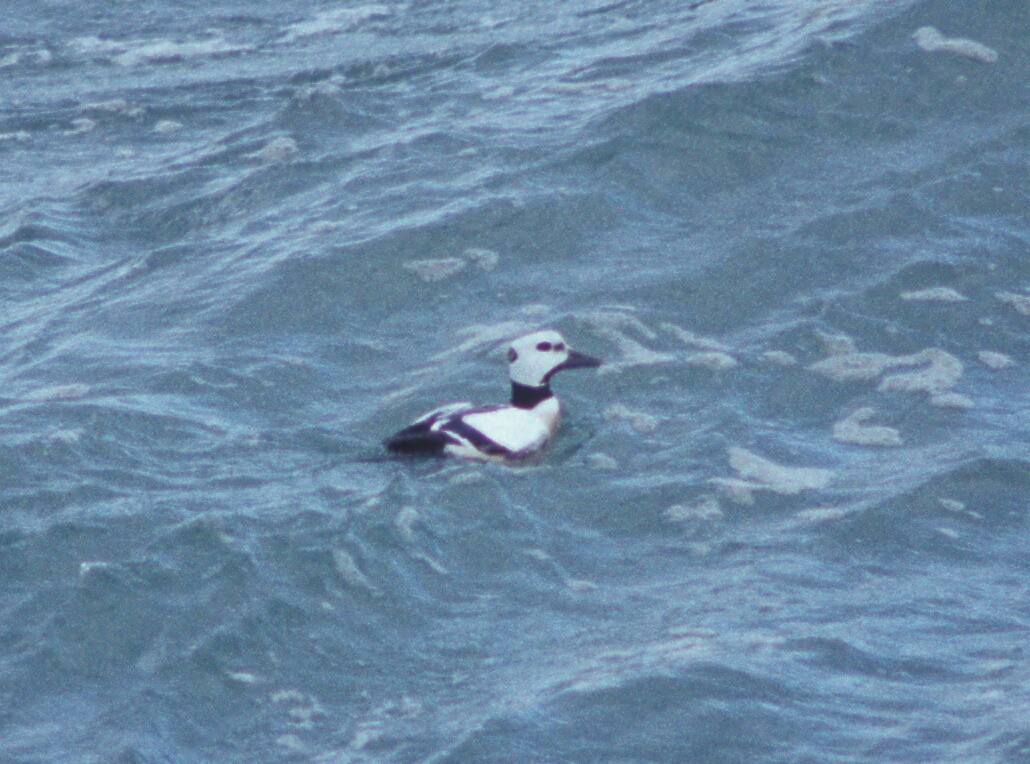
(241, 243)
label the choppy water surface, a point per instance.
(787, 521)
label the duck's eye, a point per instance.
(544, 346)
(559, 347)
(512, 355)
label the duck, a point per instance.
(514, 430)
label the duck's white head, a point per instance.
(535, 358)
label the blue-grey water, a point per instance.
(240, 243)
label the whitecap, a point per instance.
(837, 344)
(934, 294)
(951, 401)
(632, 352)
(821, 514)
(244, 677)
(349, 571)
(58, 393)
(81, 125)
(619, 319)
(692, 340)
(482, 335)
(280, 149)
(712, 359)
(68, 437)
(166, 126)
(600, 461)
(932, 41)
(994, 360)
(37, 56)
(85, 568)
(405, 522)
(779, 357)
(1021, 302)
(436, 269)
(485, 259)
(581, 585)
(430, 562)
(706, 508)
(335, 21)
(170, 51)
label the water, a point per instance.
(241, 244)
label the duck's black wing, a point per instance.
(433, 432)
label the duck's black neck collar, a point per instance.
(528, 396)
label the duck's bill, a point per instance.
(577, 360)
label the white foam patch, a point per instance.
(837, 344)
(68, 437)
(480, 336)
(941, 372)
(934, 294)
(466, 477)
(619, 318)
(349, 571)
(932, 41)
(601, 461)
(277, 150)
(994, 360)
(431, 563)
(167, 126)
(436, 269)
(244, 677)
(780, 358)
(692, 340)
(290, 742)
(1021, 302)
(336, 21)
(137, 53)
(821, 515)
(581, 585)
(81, 125)
(711, 359)
(446, 267)
(538, 554)
(484, 259)
(328, 88)
(86, 568)
(58, 393)
(954, 505)
(535, 309)
(951, 401)
(34, 56)
(854, 367)
(632, 353)
(405, 522)
(759, 473)
(704, 509)
(854, 430)
(935, 371)
(113, 106)
(638, 420)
